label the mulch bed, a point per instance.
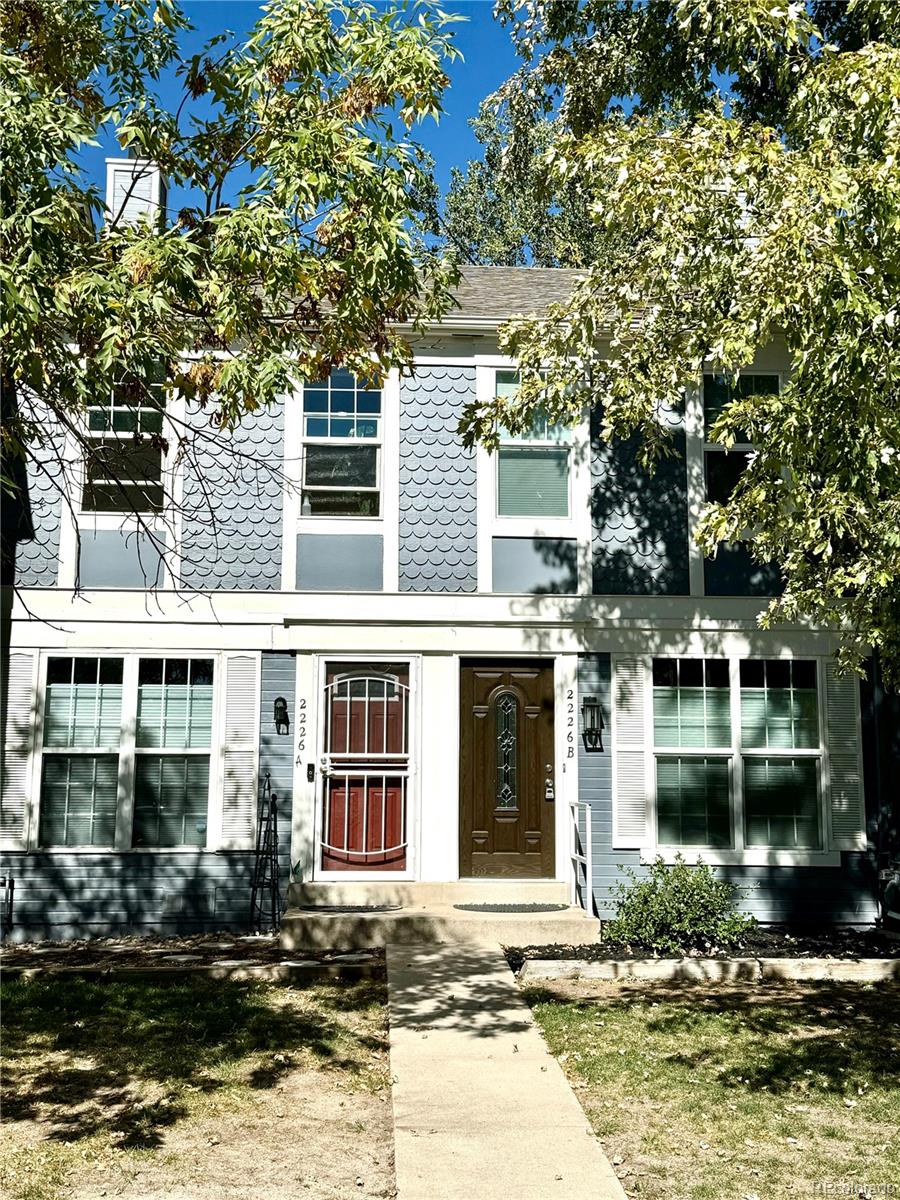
(196, 950)
(768, 942)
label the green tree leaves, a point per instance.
(745, 158)
(295, 252)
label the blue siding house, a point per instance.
(453, 667)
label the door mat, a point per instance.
(512, 908)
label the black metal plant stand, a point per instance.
(8, 887)
(265, 897)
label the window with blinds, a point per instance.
(693, 801)
(691, 712)
(174, 713)
(691, 702)
(105, 743)
(738, 766)
(80, 768)
(780, 716)
(533, 466)
(532, 481)
(779, 704)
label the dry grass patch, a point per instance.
(708, 1094)
(195, 1089)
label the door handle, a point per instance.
(548, 789)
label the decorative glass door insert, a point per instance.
(365, 767)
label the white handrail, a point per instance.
(581, 856)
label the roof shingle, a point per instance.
(498, 293)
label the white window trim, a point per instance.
(167, 522)
(738, 854)
(126, 754)
(386, 524)
(576, 526)
(413, 793)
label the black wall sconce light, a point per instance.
(592, 723)
(282, 720)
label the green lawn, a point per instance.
(136, 1088)
(702, 1094)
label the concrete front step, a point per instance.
(414, 893)
(308, 929)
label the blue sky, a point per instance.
(488, 60)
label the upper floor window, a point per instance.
(724, 469)
(342, 440)
(124, 466)
(533, 468)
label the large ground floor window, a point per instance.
(126, 747)
(738, 751)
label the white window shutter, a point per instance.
(630, 795)
(20, 699)
(842, 722)
(239, 752)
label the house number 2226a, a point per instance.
(301, 727)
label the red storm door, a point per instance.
(365, 767)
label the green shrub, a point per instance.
(675, 908)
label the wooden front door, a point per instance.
(507, 783)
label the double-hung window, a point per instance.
(80, 768)
(781, 745)
(124, 465)
(533, 468)
(342, 442)
(172, 750)
(112, 748)
(693, 751)
(738, 750)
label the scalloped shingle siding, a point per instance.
(437, 483)
(231, 530)
(37, 560)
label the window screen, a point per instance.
(781, 802)
(78, 799)
(693, 801)
(171, 800)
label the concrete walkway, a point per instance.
(481, 1108)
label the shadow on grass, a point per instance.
(176, 1034)
(807, 1036)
